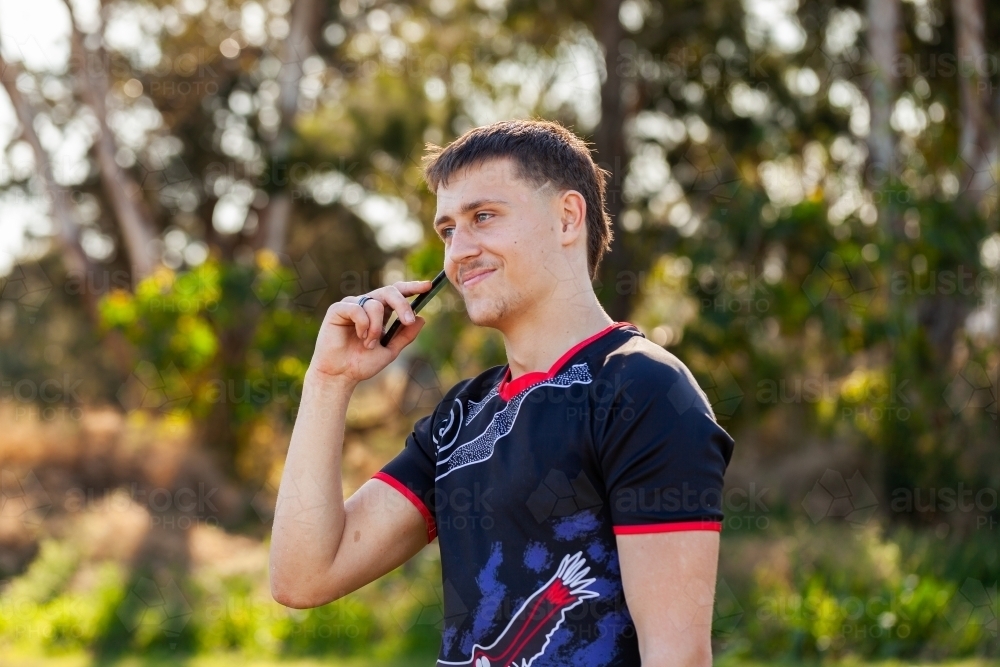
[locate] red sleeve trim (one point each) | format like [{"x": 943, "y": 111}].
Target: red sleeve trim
[
  {"x": 413, "y": 498},
  {"x": 673, "y": 527}
]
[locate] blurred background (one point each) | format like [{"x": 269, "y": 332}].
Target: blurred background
[{"x": 804, "y": 196}]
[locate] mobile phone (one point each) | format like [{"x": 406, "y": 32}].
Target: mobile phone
[{"x": 418, "y": 303}]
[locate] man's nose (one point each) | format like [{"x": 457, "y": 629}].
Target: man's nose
[{"x": 463, "y": 245}]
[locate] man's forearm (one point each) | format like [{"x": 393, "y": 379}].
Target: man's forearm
[{"x": 309, "y": 516}]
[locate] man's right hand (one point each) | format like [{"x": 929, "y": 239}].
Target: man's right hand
[
  {"x": 348, "y": 348},
  {"x": 322, "y": 548}
]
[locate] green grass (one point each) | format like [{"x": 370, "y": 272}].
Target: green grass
[
  {"x": 214, "y": 660},
  {"x": 237, "y": 660},
  {"x": 858, "y": 663}
]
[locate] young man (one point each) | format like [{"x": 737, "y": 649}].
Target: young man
[{"x": 575, "y": 492}]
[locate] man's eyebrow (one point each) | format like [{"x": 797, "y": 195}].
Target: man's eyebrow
[{"x": 469, "y": 206}]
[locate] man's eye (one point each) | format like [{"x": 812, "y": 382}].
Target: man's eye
[
  {"x": 445, "y": 233},
  {"x": 479, "y": 216}
]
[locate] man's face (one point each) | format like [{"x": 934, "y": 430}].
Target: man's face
[{"x": 500, "y": 234}]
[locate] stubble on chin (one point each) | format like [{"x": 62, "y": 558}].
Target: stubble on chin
[
  {"x": 488, "y": 313},
  {"x": 491, "y": 311}
]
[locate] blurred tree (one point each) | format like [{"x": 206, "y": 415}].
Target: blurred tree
[{"x": 786, "y": 180}]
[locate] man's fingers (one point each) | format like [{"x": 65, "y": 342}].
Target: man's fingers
[
  {"x": 375, "y": 311},
  {"x": 411, "y": 287},
  {"x": 394, "y": 298},
  {"x": 405, "y": 336},
  {"x": 345, "y": 312},
  {"x": 369, "y": 319}
]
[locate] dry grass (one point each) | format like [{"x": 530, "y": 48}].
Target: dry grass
[
  {"x": 92, "y": 480},
  {"x": 92, "y": 472}
]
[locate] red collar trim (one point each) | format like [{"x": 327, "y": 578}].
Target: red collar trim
[{"x": 508, "y": 388}]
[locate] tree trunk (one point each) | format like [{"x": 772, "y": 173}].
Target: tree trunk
[
  {"x": 75, "y": 260},
  {"x": 609, "y": 143},
  {"x": 978, "y": 139},
  {"x": 883, "y": 35},
  {"x": 306, "y": 17},
  {"x": 122, "y": 190},
  {"x": 218, "y": 433}
]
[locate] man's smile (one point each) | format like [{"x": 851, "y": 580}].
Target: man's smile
[{"x": 474, "y": 276}]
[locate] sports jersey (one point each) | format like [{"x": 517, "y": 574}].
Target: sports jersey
[{"x": 526, "y": 482}]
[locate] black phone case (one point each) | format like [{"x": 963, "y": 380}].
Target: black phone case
[{"x": 418, "y": 303}]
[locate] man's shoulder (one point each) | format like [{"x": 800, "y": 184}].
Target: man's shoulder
[
  {"x": 641, "y": 367},
  {"x": 639, "y": 356}
]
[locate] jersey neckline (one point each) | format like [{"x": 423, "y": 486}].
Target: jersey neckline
[{"x": 508, "y": 389}]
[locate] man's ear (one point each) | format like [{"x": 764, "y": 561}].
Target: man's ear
[{"x": 572, "y": 215}]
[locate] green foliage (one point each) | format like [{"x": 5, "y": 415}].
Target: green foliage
[
  {"x": 781, "y": 299},
  {"x": 855, "y": 592},
  {"x": 813, "y": 594},
  {"x": 48, "y": 574},
  {"x": 38, "y": 609},
  {"x": 764, "y": 292},
  {"x": 221, "y": 341},
  {"x": 187, "y": 614}
]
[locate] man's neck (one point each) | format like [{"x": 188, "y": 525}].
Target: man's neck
[{"x": 536, "y": 340}]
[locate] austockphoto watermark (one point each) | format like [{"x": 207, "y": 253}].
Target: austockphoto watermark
[
  {"x": 962, "y": 280},
  {"x": 194, "y": 63},
  {"x": 333, "y": 620},
  {"x": 103, "y": 281},
  {"x": 584, "y": 413},
  {"x": 465, "y": 508},
  {"x": 326, "y": 630},
  {"x": 732, "y": 290},
  {"x": 35, "y": 289},
  {"x": 281, "y": 174},
  {"x": 948, "y": 500},
  {"x": 167, "y": 392},
  {"x": 687, "y": 64},
  {"x": 875, "y": 412},
  {"x": 258, "y": 391},
  {"x": 43, "y": 400},
  {"x": 356, "y": 283},
  {"x": 423, "y": 67},
  {"x": 692, "y": 64},
  {"x": 878, "y": 616},
  {"x": 602, "y": 390},
  {"x": 170, "y": 508},
  {"x": 872, "y": 398},
  {"x": 182, "y": 87},
  {"x": 460, "y": 506},
  {"x": 743, "y": 508},
  {"x": 20, "y": 611},
  {"x": 99, "y": 282},
  {"x": 948, "y": 65},
  {"x": 66, "y": 633}
]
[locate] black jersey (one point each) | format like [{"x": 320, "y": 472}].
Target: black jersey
[{"x": 527, "y": 482}]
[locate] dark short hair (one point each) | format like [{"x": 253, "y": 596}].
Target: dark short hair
[{"x": 541, "y": 151}]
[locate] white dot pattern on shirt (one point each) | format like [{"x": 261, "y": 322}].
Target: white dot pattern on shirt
[
  {"x": 481, "y": 447},
  {"x": 475, "y": 408}
]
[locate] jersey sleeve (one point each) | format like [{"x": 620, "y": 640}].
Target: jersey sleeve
[
  {"x": 411, "y": 472},
  {"x": 662, "y": 453}
]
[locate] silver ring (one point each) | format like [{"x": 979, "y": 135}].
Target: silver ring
[{"x": 363, "y": 299}]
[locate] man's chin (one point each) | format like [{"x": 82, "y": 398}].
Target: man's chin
[
  {"x": 483, "y": 319},
  {"x": 485, "y": 313}
]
